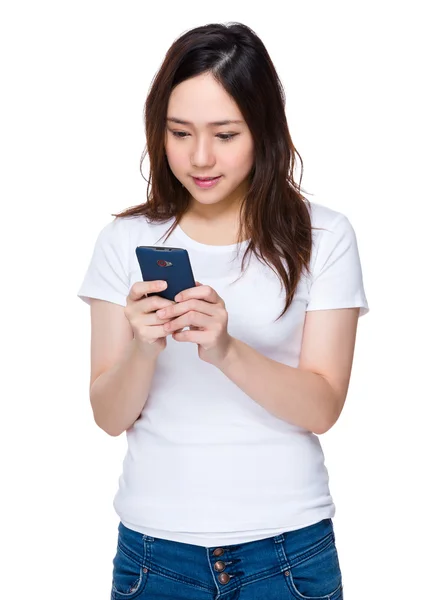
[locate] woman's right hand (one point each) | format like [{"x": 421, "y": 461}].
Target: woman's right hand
[{"x": 147, "y": 328}]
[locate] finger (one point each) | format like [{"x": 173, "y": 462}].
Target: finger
[
  {"x": 200, "y": 292},
  {"x": 152, "y": 319},
  {"x": 181, "y": 308},
  {"x": 152, "y": 303},
  {"x": 148, "y": 320},
  {"x": 195, "y": 336},
  {"x": 190, "y": 318},
  {"x": 144, "y": 311},
  {"x": 140, "y": 288}
]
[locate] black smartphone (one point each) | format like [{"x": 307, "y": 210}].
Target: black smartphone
[{"x": 166, "y": 264}]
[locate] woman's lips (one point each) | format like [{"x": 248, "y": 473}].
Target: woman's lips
[{"x": 206, "y": 183}]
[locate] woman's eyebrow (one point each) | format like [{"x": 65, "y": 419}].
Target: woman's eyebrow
[{"x": 214, "y": 123}]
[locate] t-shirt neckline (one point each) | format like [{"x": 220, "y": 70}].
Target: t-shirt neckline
[{"x": 191, "y": 243}]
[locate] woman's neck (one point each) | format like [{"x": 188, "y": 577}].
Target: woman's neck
[{"x": 216, "y": 230}]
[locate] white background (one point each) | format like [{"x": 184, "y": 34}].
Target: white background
[{"x": 360, "y": 103}]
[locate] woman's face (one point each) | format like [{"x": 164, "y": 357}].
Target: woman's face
[{"x": 207, "y": 137}]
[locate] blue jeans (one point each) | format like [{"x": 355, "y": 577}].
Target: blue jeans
[{"x": 297, "y": 565}]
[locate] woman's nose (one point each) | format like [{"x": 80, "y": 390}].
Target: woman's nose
[{"x": 202, "y": 155}]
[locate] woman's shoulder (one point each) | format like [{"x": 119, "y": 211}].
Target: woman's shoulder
[
  {"x": 330, "y": 229},
  {"x": 333, "y": 237},
  {"x": 324, "y": 217},
  {"x": 132, "y": 228}
]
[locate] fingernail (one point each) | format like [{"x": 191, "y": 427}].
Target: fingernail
[{"x": 162, "y": 285}]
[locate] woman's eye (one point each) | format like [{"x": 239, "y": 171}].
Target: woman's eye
[
  {"x": 180, "y": 134},
  {"x": 226, "y": 137}
]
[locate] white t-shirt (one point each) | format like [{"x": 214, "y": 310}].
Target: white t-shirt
[{"x": 206, "y": 464}]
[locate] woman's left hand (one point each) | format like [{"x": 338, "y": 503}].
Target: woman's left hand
[{"x": 204, "y": 311}]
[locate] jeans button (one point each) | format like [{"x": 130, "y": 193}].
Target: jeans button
[
  {"x": 219, "y": 566},
  {"x": 224, "y": 578}
]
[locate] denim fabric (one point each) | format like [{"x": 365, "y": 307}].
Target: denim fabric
[{"x": 296, "y": 565}]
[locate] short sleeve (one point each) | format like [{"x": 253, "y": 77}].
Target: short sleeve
[
  {"x": 337, "y": 274},
  {"x": 107, "y": 276}
]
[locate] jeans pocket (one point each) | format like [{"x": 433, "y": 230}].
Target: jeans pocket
[
  {"x": 129, "y": 575},
  {"x": 316, "y": 574}
]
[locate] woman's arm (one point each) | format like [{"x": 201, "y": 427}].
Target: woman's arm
[
  {"x": 121, "y": 373},
  {"x": 311, "y": 396}
]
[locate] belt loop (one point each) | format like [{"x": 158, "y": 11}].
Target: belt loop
[{"x": 280, "y": 551}]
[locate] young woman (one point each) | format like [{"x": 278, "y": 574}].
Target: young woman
[{"x": 223, "y": 392}]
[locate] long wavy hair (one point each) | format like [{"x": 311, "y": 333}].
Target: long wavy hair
[{"x": 274, "y": 213}]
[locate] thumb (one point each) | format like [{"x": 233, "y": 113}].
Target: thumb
[{"x": 197, "y": 283}]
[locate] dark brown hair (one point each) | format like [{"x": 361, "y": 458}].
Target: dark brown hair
[{"x": 274, "y": 214}]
